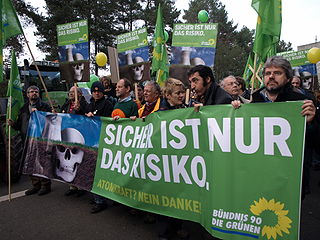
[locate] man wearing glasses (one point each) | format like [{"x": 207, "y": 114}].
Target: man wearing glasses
[
  {"x": 41, "y": 185},
  {"x": 277, "y": 73}
]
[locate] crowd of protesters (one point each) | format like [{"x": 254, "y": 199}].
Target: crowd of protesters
[{"x": 127, "y": 101}]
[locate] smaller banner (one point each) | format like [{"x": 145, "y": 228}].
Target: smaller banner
[
  {"x": 303, "y": 68},
  {"x": 192, "y": 44},
  {"x": 73, "y": 42},
  {"x": 133, "y": 52}
]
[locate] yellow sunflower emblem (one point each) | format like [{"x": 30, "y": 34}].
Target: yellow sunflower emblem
[
  {"x": 283, "y": 222},
  {"x": 211, "y": 41},
  {"x": 85, "y": 36}
]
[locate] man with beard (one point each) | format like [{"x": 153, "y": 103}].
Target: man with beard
[
  {"x": 40, "y": 185},
  {"x": 204, "y": 87},
  {"x": 277, "y": 73}
]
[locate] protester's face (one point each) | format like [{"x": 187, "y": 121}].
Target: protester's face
[
  {"x": 72, "y": 92},
  {"x": 274, "y": 78},
  {"x": 150, "y": 94},
  {"x": 295, "y": 82},
  {"x": 140, "y": 92},
  {"x": 198, "y": 84},
  {"x": 121, "y": 90},
  {"x": 231, "y": 86},
  {"x": 97, "y": 95},
  {"x": 33, "y": 94},
  {"x": 177, "y": 96}
]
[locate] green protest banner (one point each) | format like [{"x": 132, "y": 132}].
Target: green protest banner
[
  {"x": 132, "y": 40},
  {"x": 296, "y": 58},
  {"x": 236, "y": 172},
  {"x": 195, "y": 35},
  {"x": 72, "y": 33}
]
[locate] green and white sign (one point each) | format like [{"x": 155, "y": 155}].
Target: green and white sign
[
  {"x": 296, "y": 58},
  {"x": 72, "y": 33},
  {"x": 132, "y": 40},
  {"x": 195, "y": 35},
  {"x": 237, "y": 172}
]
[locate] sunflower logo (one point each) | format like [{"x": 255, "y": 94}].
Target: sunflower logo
[
  {"x": 282, "y": 222},
  {"x": 211, "y": 41}
]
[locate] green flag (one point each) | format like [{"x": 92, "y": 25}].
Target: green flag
[
  {"x": 159, "y": 54},
  {"x": 9, "y": 27},
  {"x": 268, "y": 28},
  {"x": 267, "y": 34},
  {"x": 14, "y": 90}
]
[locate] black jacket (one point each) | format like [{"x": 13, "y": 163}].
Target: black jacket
[
  {"x": 83, "y": 107},
  {"x": 286, "y": 94},
  {"x": 216, "y": 95},
  {"x": 24, "y": 115},
  {"x": 102, "y": 107}
]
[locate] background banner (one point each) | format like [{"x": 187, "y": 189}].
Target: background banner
[
  {"x": 236, "y": 172},
  {"x": 192, "y": 44},
  {"x": 73, "y": 42},
  {"x": 133, "y": 52}
]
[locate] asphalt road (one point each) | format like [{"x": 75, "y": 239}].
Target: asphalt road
[{"x": 55, "y": 216}]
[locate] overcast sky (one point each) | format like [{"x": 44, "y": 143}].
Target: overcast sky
[{"x": 300, "y": 20}]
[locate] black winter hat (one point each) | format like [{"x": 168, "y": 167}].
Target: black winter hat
[{"x": 97, "y": 86}]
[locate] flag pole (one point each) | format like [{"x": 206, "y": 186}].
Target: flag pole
[
  {"x": 9, "y": 151},
  {"x": 39, "y": 74},
  {"x": 254, "y": 74}
]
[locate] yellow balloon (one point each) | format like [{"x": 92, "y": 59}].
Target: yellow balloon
[
  {"x": 101, "y": 59},
  {"x": 313, "y": 55}
]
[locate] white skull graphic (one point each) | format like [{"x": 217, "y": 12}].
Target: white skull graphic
[
  {"x": 69, "y": 158},
  {"x": 138, "y": 70},
  {"x": 306, "y": 80},
  {"x": 78, "y": 68}
]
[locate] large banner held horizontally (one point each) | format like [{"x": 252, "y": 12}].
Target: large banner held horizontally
[
  {"x": 73, "y": 42},
  {"x": 133, "y": 52},
  {"x": 236, "y": 172}
]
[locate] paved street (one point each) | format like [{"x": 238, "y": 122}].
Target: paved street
[{"x": 55, "y": 216}]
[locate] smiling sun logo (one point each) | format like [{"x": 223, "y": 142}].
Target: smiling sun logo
[{"x": 274, "y": 210}]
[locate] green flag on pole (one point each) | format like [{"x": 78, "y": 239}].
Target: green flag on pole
[
  {"x": 14, "y": 90},
  {"x": 268, "y": 28},
  {"x": 267, "y": 34},
  {"x": 159, "y": 54},
  {"x": 10, "y": 26}
]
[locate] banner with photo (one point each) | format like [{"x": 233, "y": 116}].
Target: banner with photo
[
  {"x": 237, "y": 172},
  {"x": 192, "y": 44},
  {"x": 73, "y": 42},
  {"x": 303, "y": 68},
  {"x": 133, "y": 53}
]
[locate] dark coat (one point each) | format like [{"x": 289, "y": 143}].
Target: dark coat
[
  {"x": 286, "y": 94},
  {"x": 216, "y": 95},
  {"x": 24, "y": 115},
  {"x": 102, "y": 107},
  {"x": 83, "y": 107}
]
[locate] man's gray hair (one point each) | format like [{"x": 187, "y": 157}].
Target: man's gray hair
[
  {"x": 155, "y": 85},
  {"x": 33, "y": 87},
  {"x": 222, "y": 81},
  {"x": 278, "y": 61}
]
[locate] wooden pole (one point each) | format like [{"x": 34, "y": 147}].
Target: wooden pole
[
  {"x": 76, "y": 94},
  {"x": 254, "y": 74},
  {"x": 187, "y": 96},
  {"x": 39, "y": 74},
  {"x": 9, "y": 151}
]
